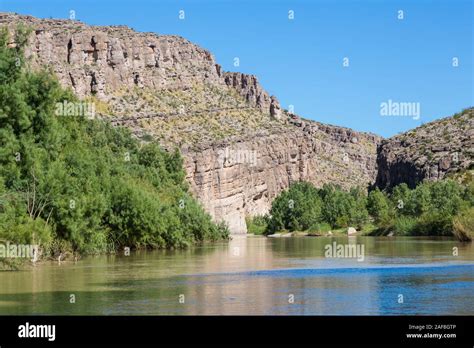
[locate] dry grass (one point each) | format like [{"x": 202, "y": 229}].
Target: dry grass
[{"x": 201, "y": 113}]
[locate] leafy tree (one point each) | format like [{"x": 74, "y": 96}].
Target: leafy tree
[
  {"x": 359, "y": 215},
  {"x": 402, "y": 199},
  {"x": 296, "y": 209},
  {"x": 337, "y": 206},
  {"x": 446, "y": 197},
  {"x": 420, "y": 200},
  {"x": 378, "y": 206}
]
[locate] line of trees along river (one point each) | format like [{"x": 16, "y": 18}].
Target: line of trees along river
[{"x": 441, "y": 208}]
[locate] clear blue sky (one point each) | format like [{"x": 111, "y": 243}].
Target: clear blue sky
[{"x": 301, "y": 60}]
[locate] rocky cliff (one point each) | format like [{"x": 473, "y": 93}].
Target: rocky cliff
[
  {"x": 429, "y": 152},
  {"x": 240, "y": 148},
  {"x": 238, "y": 178}
]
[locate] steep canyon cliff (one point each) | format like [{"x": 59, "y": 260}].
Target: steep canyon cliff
[{"x": 240, "y": 147}]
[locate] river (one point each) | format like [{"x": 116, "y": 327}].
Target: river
[{"x": 255, "y": 276}]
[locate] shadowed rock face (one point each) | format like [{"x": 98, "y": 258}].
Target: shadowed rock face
[
  {"x": 429, "y": 152},
  {"x": 240, "y": 148},
  {"x": 392, "y": 172}
]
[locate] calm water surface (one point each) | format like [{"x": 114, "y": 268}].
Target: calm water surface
[{"x": 254, "y": 275}]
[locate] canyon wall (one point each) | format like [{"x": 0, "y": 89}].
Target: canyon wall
[
  {"x": 240, "y": 148},
  {"x": 234, "y": 180}
]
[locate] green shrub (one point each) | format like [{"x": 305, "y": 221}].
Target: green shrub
[
  {"x": 434, "y": 225},
  {"x": 404, "y": 225},
  {"x": 320, "y": 228},
  {"x": 463, "y": 225},
  {"x": 256, "y": 224}
]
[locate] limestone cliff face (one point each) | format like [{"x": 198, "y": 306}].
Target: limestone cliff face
[
  {"x": 234, "y": 180},
  {"x": 102, "y": 60},
  {"x": 429, "y": 152},
  {"x": 240, "y": 148}
]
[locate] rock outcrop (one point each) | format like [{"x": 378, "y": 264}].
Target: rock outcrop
[
  {"x": 429, "y": 152},
  {"x": 240, "y": 148},
  {"x": 253, "y": 93}
]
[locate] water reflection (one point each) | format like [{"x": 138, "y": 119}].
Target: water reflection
[{"x": 254, "y": 275}]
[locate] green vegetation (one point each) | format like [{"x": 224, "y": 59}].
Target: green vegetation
[
  {"x": 441, "y": 208},
  {"x": 71, "y": 184},
  {"x": 463, "y": 225},
  {"x": 429, "y": 209},
  {"x": 305, "y": 208},
  {"x": 256, "y": 225},
  {"x": 320, "y": 228},
  {"x": 296, "y": 209}
]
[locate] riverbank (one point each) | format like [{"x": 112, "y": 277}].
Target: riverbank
[{"x": 341, "y": 232}]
